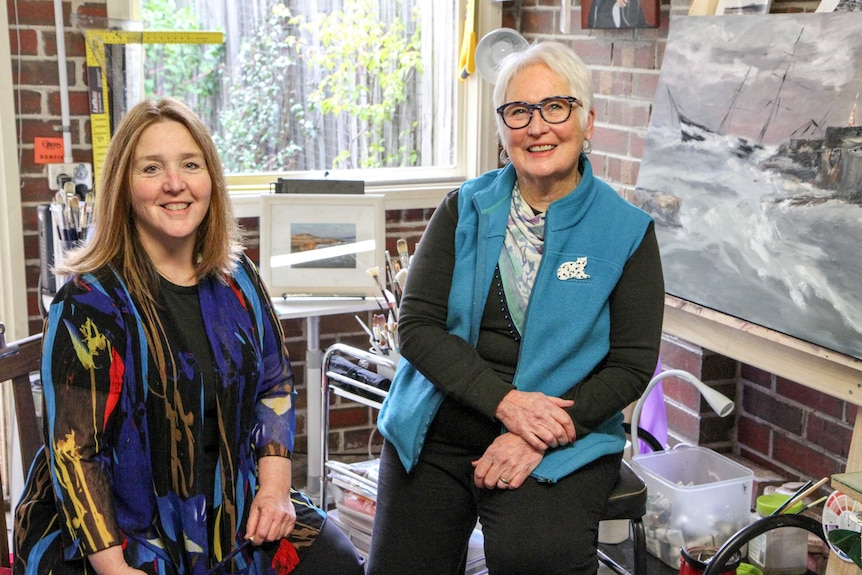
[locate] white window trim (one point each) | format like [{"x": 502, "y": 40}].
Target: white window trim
[
  {"x": 410, "y": 188},
  {"x": 13, "y": 286}
]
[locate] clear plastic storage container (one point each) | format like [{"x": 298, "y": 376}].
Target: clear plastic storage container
[{"x": 695, "y": 497}]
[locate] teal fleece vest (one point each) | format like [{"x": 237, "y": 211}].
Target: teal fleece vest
[{"x": 589, "y": 236}]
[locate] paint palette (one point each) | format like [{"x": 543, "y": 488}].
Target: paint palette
[{"x": 841, "y": 512}]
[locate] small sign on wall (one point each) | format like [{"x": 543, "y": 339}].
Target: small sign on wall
[{"x": 48, "y": 150}]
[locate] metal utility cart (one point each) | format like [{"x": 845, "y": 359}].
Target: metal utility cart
[{"x": 349, "y": 388}]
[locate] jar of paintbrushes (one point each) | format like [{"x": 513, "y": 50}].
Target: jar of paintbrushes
[{"x": 383, "y": 332}]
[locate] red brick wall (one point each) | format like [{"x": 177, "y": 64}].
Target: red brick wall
[
  {"x": 792, "y": 427},
  {"x": 781, "y": 425},
  {"x": 37, "y": 101}
]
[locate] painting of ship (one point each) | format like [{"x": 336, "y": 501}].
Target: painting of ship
[
  {"x": 832, "y": 163},
  {"x": 752, "y": 171},
  {"x": 692, "y": 131}
]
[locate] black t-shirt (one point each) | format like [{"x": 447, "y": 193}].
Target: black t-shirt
[{"x": 181, "y": 314}]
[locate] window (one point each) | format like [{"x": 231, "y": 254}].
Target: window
[{"x": 318, "y": 85}]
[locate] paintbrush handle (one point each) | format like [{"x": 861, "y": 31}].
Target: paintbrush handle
[
  {"x": 814, "y": 504},
  {"x": 786, "y": 505},
  {"x": 796, "y": 498}
]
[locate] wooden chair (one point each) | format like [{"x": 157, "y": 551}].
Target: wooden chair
[{"x": 17, "y": 361}]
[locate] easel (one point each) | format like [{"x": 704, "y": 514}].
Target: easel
[{"x": 804, "y": 363}]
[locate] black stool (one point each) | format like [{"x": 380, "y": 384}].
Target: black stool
[{"x": 627, "y": 501}]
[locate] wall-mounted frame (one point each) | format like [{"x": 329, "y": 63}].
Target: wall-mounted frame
[
  {"x": 321, "y": 244},
  {"x": 731, "y": 7},
  {"x": 620, "y": 14}
]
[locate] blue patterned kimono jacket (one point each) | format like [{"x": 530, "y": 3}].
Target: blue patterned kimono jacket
[{"x": 123, "y": 443}]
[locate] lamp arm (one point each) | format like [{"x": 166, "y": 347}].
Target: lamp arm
[
  {"x": 701, "y": 387},
  {"x": 636, "y": 413}
]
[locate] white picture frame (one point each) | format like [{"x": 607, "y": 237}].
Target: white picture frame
[
  {"x": 322, "y": 244},
  {"x": 732, "y": 7}
]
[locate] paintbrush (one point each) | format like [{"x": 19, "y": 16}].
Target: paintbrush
[
  {"x": 801, "y": 494},
  {"x": 378, "y": 326},
  {"x": 814, "y": 503},
  {"x": 390, "y": 276},
  {"x": 786, "y": 505},
  {"x": 223, "y": 563},
  {"x": 390, "y": 271},
  {"x": 401, "y": 279},
  {"x": 366, "y": 329},
  {"x": 374, "y": 272},
  {"x": 403, "y": 253}
]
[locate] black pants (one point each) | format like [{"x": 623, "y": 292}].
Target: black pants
[{"x": 424, "y": 519}]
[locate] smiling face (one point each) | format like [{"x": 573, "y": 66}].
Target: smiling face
[
  {"x": 545, "y": 155},
  {"x": 171, "y": 189}
]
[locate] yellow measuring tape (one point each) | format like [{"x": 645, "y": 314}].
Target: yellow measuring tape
[{"x": 97, "y": 76}]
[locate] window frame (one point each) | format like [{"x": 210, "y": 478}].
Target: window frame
[
  {"x": 13, "y": 279},
  {"x": 406, "y": 188}
]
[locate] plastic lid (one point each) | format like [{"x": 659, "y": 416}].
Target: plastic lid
[
  {"x": 748, "y": 569},
  {"x": 767, "y": 504}
]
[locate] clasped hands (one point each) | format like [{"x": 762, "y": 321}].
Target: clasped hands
[{"x": 535, "y": 422}]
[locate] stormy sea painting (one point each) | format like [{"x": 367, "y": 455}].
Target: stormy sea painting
[{"x": 753, "y": 171}]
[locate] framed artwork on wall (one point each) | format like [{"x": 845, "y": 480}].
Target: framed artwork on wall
[
  {"x": 752, "y": 170},
  {"x": 321, "y": 244},
  {"x": 728, "y": 7},
  {"x": 619, "y": 14}
]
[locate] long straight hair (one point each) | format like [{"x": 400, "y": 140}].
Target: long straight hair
[{"x": 115, "y": 239}]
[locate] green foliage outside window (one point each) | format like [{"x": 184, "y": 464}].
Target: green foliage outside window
[
  {"x": 255, "y": 132},
  {"x": 189, "y": 71},
  {"x": 367, "y": 64},
  {"x": 326, "y": 90}
]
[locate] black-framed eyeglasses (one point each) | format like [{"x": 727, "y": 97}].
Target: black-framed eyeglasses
[{"x": 554, "y": 110}]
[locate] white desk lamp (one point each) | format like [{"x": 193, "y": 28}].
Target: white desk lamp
[{"x": 719, "y": 402}]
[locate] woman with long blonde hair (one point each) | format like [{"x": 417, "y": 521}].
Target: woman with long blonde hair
[{"x": 169, "y": 397}]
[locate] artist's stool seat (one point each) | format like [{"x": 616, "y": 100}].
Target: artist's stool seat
[{"x": 627, "y": 501}]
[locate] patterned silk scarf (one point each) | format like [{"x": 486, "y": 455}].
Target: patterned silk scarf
[{"x": 521, "y": 255}]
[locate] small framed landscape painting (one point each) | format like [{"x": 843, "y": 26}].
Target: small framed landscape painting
[{"x": 321, "y": 244}]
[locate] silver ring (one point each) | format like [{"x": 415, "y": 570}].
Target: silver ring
[{"x": 504, "y": 481}]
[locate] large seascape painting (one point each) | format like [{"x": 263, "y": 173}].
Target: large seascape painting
[{"x": 753, "y": 171}]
